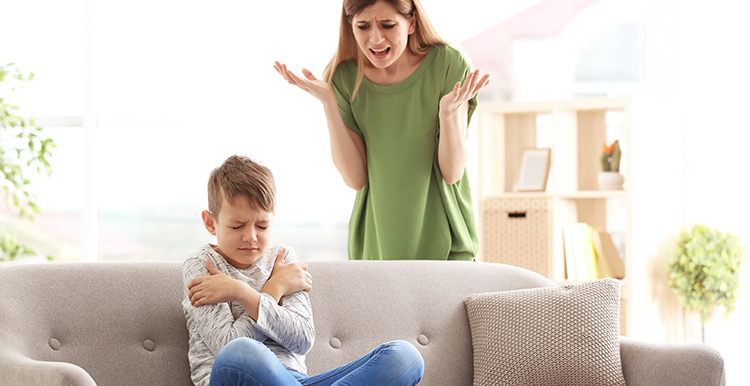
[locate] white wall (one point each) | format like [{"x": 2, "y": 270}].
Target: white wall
[{"x": 702, "y": 61}]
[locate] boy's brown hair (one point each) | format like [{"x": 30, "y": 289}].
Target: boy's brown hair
[{"x": 240, "y": 176}]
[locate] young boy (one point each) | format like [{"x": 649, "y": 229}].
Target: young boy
[
  {"x": 246, "y": 302},
  {"x": 235, "y": 289}
]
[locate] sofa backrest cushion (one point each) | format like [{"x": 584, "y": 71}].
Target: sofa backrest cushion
[
  {"x": 123, "y": 322},
  {"x": 359, "y": 304}
]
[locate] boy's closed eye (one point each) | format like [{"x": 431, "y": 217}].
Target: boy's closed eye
[{"x": 260, "y": 226}]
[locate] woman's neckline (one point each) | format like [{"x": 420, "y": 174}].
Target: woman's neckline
[{"x": 408, "y": 80}]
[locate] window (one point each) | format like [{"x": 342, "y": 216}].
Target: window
[
  {"x": 175, "y": 88},
  {"x": 58, "y": 230},
  {"x": 145, "y": 98}
]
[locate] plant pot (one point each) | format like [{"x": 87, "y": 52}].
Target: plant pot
[{"x": 610, "y": 180}]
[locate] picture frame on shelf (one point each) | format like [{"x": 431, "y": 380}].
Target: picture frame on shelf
[{"x": 534, "y": 170}]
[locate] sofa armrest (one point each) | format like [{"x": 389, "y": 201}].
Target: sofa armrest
[
  {"x": 17, "y": 369},
  {"x": 667, "y": 364}
]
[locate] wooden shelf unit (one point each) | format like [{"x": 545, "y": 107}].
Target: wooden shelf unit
[{"x": 575, "y": 131}]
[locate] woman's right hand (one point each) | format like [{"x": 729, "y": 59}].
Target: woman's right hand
[
  {"x": 316, "y": 87},
  {"x": 347, "y": 147}
]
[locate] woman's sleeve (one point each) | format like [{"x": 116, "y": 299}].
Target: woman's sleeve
[
  {"x": 457, "y": 69},
  {"x": 342, "y": 90},
  {"x": 289, "y": 323},
  {"x": 214, "y": 322}
]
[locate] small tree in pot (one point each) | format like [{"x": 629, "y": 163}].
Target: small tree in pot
[{"x": 704, "y": 270}]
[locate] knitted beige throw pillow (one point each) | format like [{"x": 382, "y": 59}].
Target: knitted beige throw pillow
[{"x": 567, "y": 335}]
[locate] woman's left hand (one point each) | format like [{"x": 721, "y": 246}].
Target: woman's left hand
[
  {"x": 453, "y": 152},
  {"x": 462, "y": 93}
]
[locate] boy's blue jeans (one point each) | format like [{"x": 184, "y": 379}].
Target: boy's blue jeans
[{"x": 246, "y": 362}]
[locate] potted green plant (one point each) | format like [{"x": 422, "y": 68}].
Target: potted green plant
[
  {"x": 610, "y": 178},
  {"x": 704, "y": 270},
  {"x": 22, "y": 148}
]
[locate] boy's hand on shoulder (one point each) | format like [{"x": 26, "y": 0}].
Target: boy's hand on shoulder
[
  {"x": 213, "y": 289},
  {"x": 287, "y": 278}
]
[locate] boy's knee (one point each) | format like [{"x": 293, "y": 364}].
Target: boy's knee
[
  {"x": 407, "y": 357},
  {"x": 411, "y": 353},
  {"x": 241, "y": 344},
  {"x": 241, "y": 352},
  {"x": 244, "y": 361}
]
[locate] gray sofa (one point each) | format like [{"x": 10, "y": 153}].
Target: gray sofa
[{"x": 122, "y": 324}]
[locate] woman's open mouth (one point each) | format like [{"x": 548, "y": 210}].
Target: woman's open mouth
[{"x": 379, "y": 54}]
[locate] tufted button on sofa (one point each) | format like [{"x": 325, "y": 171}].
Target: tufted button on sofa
[{"x": 114, "y": 324}]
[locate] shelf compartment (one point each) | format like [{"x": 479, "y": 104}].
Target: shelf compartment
[{"x": 518, "y": 232}]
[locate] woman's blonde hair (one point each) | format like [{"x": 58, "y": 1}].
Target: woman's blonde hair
[{"x": 423, "y": 38}]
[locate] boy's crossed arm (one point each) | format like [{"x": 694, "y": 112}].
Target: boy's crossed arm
[
  {"x": 219, "y": 287},
  {"x": 286, "y": 278}
]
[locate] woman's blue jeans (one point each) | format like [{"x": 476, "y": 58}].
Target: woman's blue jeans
[{"x": 246, "y": 362}]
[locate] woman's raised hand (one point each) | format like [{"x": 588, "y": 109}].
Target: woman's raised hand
[
  {"x": 461, "y": 93},
  {"x": 316, "y": 87}
]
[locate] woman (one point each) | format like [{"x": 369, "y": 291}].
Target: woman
[{"x": 398, "y": 101}]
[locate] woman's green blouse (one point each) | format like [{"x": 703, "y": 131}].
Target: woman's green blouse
[{"x": 406, "y": 210}]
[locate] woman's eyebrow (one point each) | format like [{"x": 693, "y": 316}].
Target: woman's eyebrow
[{"x": 377, "y": 20}]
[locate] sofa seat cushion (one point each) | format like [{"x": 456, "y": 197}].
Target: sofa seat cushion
[{"x": 566, "y": 335}]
